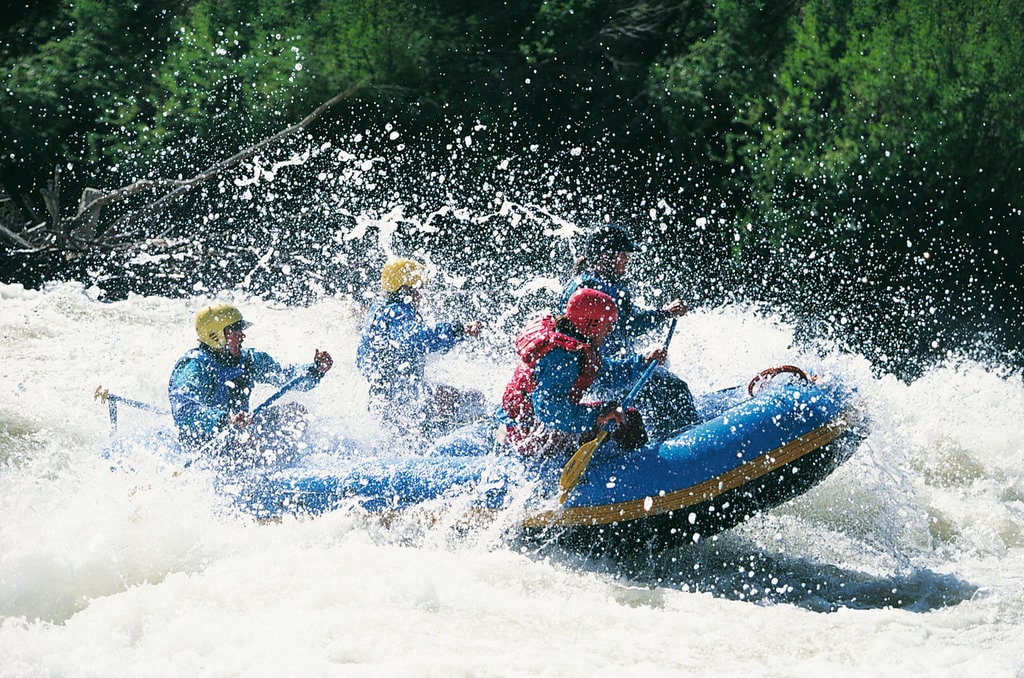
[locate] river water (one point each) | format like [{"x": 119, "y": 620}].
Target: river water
[{"x": 909, "y": 560}]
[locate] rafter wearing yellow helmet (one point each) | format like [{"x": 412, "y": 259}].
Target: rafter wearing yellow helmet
[
  {"x": 210, "y": 385},
  {"x": 392, "y": 355}
]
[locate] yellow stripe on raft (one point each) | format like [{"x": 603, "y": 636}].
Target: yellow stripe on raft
[{"x": 709, "y": 489}]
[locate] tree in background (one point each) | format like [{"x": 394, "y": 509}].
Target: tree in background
[
  {"x": 907, "y": 113},
  {"x": 113, "y": 91},
  {"x": 714, "y": 83},
  {"x": 873, "y": 149},
  {"x": 74, "y": 77},
  {"x": 895, "y": 156}
]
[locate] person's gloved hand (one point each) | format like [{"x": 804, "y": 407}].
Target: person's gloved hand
[
  {"x": 676, "y": 308},
  {"x": 240, "y": 419},
  {"x": 631, "y": 434},
  {"x": 658, "y": 354},
  {"x": 323, "y": 361},
  {"x": 609, "y": 413}
]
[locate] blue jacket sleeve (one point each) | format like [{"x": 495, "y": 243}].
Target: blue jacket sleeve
[
  {"x": 555, "y": 374},
  {"x": 190, "y": 391},
  {"x": 618, "y": 375},
  {"x": 439, "y": 338},
  {"x": 266, "y": 370},
  {"x": 643, "y": 320}
]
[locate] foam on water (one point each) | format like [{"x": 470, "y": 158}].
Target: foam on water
[{"x": 910, "y": 558}]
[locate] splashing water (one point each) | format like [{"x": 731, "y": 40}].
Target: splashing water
[{"x": 915, "y": 546}]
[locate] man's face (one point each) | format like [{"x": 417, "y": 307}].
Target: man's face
[
  {"x": 619, "y": 263},
  {"x": 233, "y": 338},
  {"x": 412, "y": 295}
]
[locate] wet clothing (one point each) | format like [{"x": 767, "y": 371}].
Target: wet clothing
[
  {"x": 537, "y": 340},
  {"x": 392, "y": 356},
  {"x": 543, "y": 406},
  {"x": 633, "y": 321},
  {"x": 667, "y": 404},
  {"x": 207, "y": 387},
  {"x": 665, "y": 400}
]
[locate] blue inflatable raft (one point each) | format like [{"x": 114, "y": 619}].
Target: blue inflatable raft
[{"x": 750, "y": 454}]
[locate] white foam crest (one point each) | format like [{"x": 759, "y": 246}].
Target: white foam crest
[
  {"x": 147, "y": 573},
  {"x": 958, "y": 432},
  {"x": 85, "y": 532}
]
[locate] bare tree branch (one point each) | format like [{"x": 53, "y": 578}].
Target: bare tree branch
[
  {"x": 212, "y": 171},
  {"x": 80, "y": 229},
  {"x": 15, "y": 239}
]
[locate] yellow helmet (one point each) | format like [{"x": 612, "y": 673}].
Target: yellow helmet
[
  {"x": 399, "y": 273},
  {"x": 211, "y": 321}
]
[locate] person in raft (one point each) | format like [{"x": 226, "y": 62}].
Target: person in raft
[
  {"x": 210, "y": 385},
  {"x": 560, "y": 358},
  {"x": 392, "y": 356},
  {"x": 666, "y": 399}
]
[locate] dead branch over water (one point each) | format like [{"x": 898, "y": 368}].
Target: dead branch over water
[{"x": 84, "y": 230}]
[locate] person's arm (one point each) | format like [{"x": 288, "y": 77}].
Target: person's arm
[
  {"x": 618, "y": 375},
  {"x": 266, "y": 370},
  {"x": 189, "y": 391},
  {"x": 410, "y": 331},
  {"x": 643, "y": 320},
  {"x": 555, "y": 374}
]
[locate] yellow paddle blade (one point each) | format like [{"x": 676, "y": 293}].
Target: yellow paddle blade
[{"x": 577, "y": 464}]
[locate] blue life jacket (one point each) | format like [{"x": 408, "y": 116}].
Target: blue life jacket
[
  {"x": 207, "y": 387},
  {"x": 394, "y": 345}
]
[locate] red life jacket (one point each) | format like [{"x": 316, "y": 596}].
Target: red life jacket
[{"x": 538, "y": 339}]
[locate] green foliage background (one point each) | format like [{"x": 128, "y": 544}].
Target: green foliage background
[{"x": 884, "y": 137}]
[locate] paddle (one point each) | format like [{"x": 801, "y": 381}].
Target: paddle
[
  {"x": 112, "y": 400},
  {"x": 220, "y": 437},
  {"x": 280, "y": 392},
  {"x": 578, "y": 462}
]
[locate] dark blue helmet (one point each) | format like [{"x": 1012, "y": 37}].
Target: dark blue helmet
[{"x": 609, "y": 239}]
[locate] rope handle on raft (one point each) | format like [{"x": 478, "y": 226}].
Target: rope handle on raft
[{"x": 764, "y": 376}]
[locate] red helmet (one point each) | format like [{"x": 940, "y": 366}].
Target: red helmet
[{"x": 592, "y": 312}]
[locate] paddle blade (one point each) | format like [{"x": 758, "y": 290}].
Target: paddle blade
[{"x": 577, "y": 464}]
